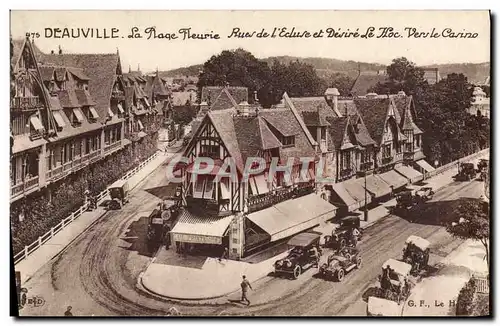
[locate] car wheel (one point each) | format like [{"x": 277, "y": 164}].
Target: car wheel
[
  {"x": 340, "y": 275},
  {"x": 358, "y": 263},
  {"x": 296, "y": 272}
]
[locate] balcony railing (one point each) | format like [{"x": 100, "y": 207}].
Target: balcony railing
[
  {"x": 25, "y": 103},
  {"x": 256, "y": 203},
  {"x": 112, "y": 147},
  {"x": 366, "y": 166},
  {"x": 25, "y": 186}
]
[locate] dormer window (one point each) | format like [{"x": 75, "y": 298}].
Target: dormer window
[
  {"x": 59, "y": 120},
  {"x": 93, "y": 116},
  {"x": 120, "y": 109},
  {"x": 77, "y": 117},
  {"x": 37, "y": 128},
  {"x": 288, "y": 141}
]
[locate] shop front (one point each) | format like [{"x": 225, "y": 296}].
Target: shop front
[{"x": 409, "y": 173}]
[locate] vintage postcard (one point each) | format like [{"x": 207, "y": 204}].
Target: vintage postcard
[{"x": 250, "y": 163}]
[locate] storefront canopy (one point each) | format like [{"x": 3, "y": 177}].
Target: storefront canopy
[
  {"x": 347, "y": 200},
  {"x": 411, "y": 174},
  {"x": 377, "y": 186},
  {"x": 355, "y": 188},
  {"x": 293, "y": 216},
  {"x": 394, "y": 179},
  {"x": 200, "y": 229},
  {"x": 426, "y": 166}
]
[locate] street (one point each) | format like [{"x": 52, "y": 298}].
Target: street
[{"x": 97, "y": 274}]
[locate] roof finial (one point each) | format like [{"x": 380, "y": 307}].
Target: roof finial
[
  {"x": 138, "y": 67},
  {"x": 129, "y": 69},
  {"x": 156, "y": 71},
  {"x": 60, "y": 50},
  {"x": 117, "y": 51}
]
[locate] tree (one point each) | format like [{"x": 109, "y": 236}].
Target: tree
[
  {"x": 473, "y": 223},
  {"x": 403, "y": 75},
  {"x": 342, "y": 82},
  {"x": 237, "y": 68}
]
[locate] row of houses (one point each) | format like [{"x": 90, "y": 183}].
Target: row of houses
[
  {"x": 368, "y": 146},
  {"x": 69, "y": 111}
]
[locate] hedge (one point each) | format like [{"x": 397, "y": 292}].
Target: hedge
[
  {"x": 470, "y": 303},
  {"x": 41, "y": 214}
]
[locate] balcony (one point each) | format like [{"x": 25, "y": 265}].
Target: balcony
[
  {"x": 366, "y": 166},
  {"x": 256, "y": 203},
  {"x": 24, "y": 187},
  {"x": 117, "y": 95},
  {"x": 110, "y": 148},
  {"x": 387, "y": 160},
  {"x": 25, "y": 103}
]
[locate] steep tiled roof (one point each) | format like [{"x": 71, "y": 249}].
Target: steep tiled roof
[
  {"x": 60, "y": 73},
  {"x": 285, "y": 123},
  {"x": 100, "y": 68},
  {"x": 365, "y": 81},
  {"x": 362, "y": 135},
  {"x": 84, "y": 97},
  {"x": 374, "y": 113},
  {"x": 314, "y": 110},
  {"x": 47, "y": 73},
  {"x": 17, "y": 47},
  {"x": 129, "y": 95},
  {"x": 347, "y": 106},
  {"x": 181, "y": 98},
  {"x": 78, "y": 72},
  {"x": 337, "y": 130},
  {"x": 68, "y": 99},
  {"x": 158, "y": 88},
  {"x": 239, "y": 94},
  {"x": 224, "y": 124}
]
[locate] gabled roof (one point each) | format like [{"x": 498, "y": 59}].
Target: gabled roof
[
  {"x": 100, "y": 68},
  {"x": 314, "y": 110},
  {"x": 347, "y": 106},
  {"x": 365, "y": 81},
  {"x": 157, "y": 87},
  {"x": 404, "y": 118},
  {"x": 362, "y": 134},
  {"x": 374, "y": 114},
  {"x": 223, "y": 97},
  {"x": 17, "y": 47},
  {"x": 337, "y": 130}
]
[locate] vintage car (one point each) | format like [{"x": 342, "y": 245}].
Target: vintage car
[
  {"x": 482, "y": 165},
  {"x": 395, "y": 282},
  {"x": 424, "y": 194},
  {"x": 405, "y": 200},
  {"x": 343, "y": 235},
  {"x": 301, "y": 256},
  {"x": 378, "y": 307},
  {"x": 118, "y": 192},
  {"x": 466, "y": 172},
  {"x": 338, "y": 264},
  {"x": 416, "y": 253}
]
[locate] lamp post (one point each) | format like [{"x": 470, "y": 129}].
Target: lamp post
[{"x": 366, "y": 208}]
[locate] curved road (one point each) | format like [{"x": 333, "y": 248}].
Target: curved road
[{"x": 98, "y": 272}]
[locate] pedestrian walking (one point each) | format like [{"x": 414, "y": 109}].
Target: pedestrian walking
[
  {"x": 245, "y": 285},
  {"x": 68, "y": 313},
  {"x": 225, "y": 254}
]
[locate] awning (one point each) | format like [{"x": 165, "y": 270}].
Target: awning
[
  {"x": 78, "y": 114},
  {"x": 355, "y": 188},
  {"x": 426, "y": 166},
  {"x": 200, "y": 229},
  {"x": 93, "y": 113},
  {"x": 59, "y": 119},
  {"x": 411, "y": 174},
  {"x": 35, "y": 122},
  {"x": 293, "y": 216},
  {"x": 394, "y": 179},
  {"x": 141, "y": 126},
  {"x": 347, "y": 199},
  {"x": 120, "y": 108},
  {"x": 377, "y": 186},
  {"x": 259, "y": 184}
]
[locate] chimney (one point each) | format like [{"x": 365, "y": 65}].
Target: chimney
[
  {"x": 129, "y": 69},
  {"x": 138, "y": 67},
  {"x": 52, "y": 52},
  {"x": 331, "y": 97},
  {"x": 60, "y": 50},
  {"x": 256, "y": 100},
  {"x": 245, "y": 110}
]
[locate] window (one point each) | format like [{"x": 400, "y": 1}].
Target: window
[
  {"x": 203, "y": 187},
  {"x": 107, "y": 137},
  {"x": 417, "y": 138},
  {"x": 386, "y": 151},
  {"x": 224, "y": 188},
  {"x": 93, "y": 114},
  {"x": 59, "y": 119},
  {"x": 77, "y": 116},
  {"x": 288, "y": 141},
  {"x": 365, "y": 156},
  {"x": 212, "y": 151},
  {"x": 346, "y": 160}
]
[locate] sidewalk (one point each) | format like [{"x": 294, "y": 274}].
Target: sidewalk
[
  {"x": 437, "y": 295},
  {"x": 214, "y": 280},
  {"x": 29, "y": 266}
]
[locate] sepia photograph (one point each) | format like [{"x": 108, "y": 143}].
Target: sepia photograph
[{"x": 250, "y": 163}]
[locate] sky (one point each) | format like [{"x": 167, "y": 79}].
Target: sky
[{"x": 167, "y": 54}]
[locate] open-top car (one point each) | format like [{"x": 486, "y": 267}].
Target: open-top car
[
  {"x": 378, "y": 307},
  {"x": 394, "y": 282},
  {"x": 405, "y": 199},
  {"x": 482, "y": 165},
  {"x": 416, "y": 253},
  {"x": 340, "y": 263},
  {"x": 304, "y": 254},
  {"x": 118, "y": 192},
  {"x": 345, "y": 234},
  {"x": 424, "y": 193}
]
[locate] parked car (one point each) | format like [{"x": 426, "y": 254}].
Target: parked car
[
  {"x": 340, "y": 263},
  {"x": 416, "y": 253},
  {"x": 343, "y": 235},
  {"x": 424, "y": 194},
  {"x": 466, "y": 172},
  {"x": 482, "y": 165},
  {"x": 301, "y": 256}
]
